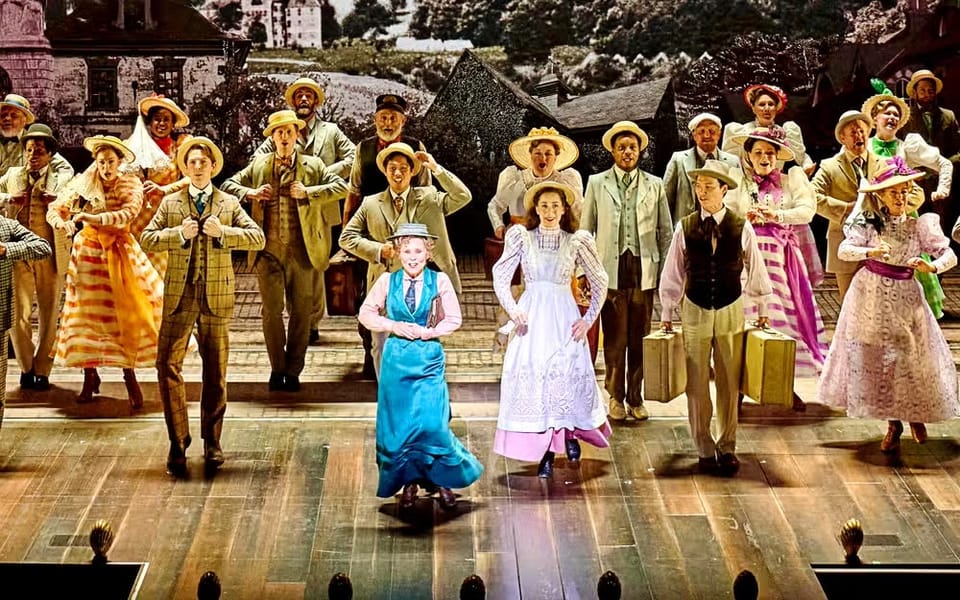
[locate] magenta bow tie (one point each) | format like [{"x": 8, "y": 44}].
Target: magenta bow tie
[{"x": 771, "y": 179}]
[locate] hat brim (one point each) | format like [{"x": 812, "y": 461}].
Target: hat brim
[
  {"x": 567, "y": 191},
  {"x": 912, "y": 84},
  {"x": 870, "y": 103},
  {"x": 843, "y": 122},
  {"x": 30, "y": 116},
  {"x": 92, "y": 143},
  {"x": 180, "y": 118},
  {"x": 784, "y": 152},
  {"x": 390, "y": 151},
  {"x": 520, "y": 150},
  {"x": 722, "y": 177},
  {"x": 296, "y": 85},
  {"x": 199, "y": 141},
  {"x": 892, "y": 181},
  {"x": 615, "y": 131},
  {"x": 298, "y": 122},
  {"x": 405, "y": 234}
]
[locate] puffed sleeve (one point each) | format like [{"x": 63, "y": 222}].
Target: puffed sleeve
[
  {"x": 729, "y": 131},
  {"x": 801, "y": 204},
  {"x": 504, "y": 269},
  {"x": 935, "y": 243},
  {"x": 919, "y": 152},
  {"x": 860, "y": 239},
  {"x": 588, "y": 259},
  {"x": 795, "y": 140}
]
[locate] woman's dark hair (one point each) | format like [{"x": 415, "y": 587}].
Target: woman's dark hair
[
  {"x": 760, "y": 93},
  {"x": 535, "y": 143},
  {"x": 567, "y": 222},
  {"x": 152, "y": 112}
]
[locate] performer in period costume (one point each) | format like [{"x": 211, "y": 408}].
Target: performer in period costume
[
  {"x": 625, "y": 208},
  {"x": 705, "y": 130},
  {"x": 199, "y": 226},
  {"x": 416, "y": 306},
  {"x": 549, "y": 397},
  {"x": 112, "y": 306},
  {"x": 889, "y": 359},
  {"x": 286, "y": 192},
  {"x": 15, "y": 115},
  {"x": 709, "y": 251},
  {"x": 367, "y": 234},
  {"x": 26, "y": 192},
  {"x": 155, "y": 143},
  {"x": 774, "y": 202},
  {"x": 888, "y": 115}
]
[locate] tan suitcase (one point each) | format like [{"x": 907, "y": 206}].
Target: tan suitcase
[
  {"x": 768, "y": 366},
  {"x": 664, "y": 366}
]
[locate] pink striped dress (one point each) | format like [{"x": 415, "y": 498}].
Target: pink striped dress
[{"x": 114, "y": 296}]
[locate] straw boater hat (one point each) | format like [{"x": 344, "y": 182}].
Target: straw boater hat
[
  {"x": 97, "y": 141},
  {"x": 870, "y": 105},
  {"x": 412, "y": 230},
  {"x": 896, "y": 172},
  {"x": 20, "y": 103},
  {"x": 565, "y": 190},
  {"x": 199, "y": 141},
  {"x": 398, "y": 148},
  {"x": 750, "y": 95},
  {"x": 774, "y": 135},
  {"x": 697, "y": 120},
  {"x": 567, "y": 152},
  {"x": 625, "y": 127},
  {"x": 304, "y": 82},
  {"x": 39, "y": 131},
  {"x": 920, "y": 76},
  {"x": 847, "y": 118},
  {"x": 180, "y": 118},
  {"x": 281, "y": 118},
  {"x": 715, "y": 168}
]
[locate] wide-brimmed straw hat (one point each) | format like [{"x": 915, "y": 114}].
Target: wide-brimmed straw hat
[
  {"x": 772, "y": 135},
  {"x": 625, "y": 127},
  {"x": 21, "y": 103},
  {"x": 871, "y": 104},
  {"x": 98, "y": 141},
  {"x": 304, "y": 82},
  {"x": 567, "y": 151},
  {"x": 398, "y": 148},
  {"x": 563, "y": 189},
  {"x": 750, "y": 94},
  {"x": 695, "y": 122},
  {"x": 849, "y": 117},
  {"x": 281, "y": 118},
  {"x": 717, "y": 169},
  {"x": 412, "y": 230},
  {"x": 39, "y": 131},
  {"x": 895, "y": 172},
  {"x": 180, "y": 118},
  {"x": 920, "y": 76},
  {"x": 193, "y": 143}
]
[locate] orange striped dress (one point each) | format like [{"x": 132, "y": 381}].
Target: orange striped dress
[{"x": 114, "y": 296}]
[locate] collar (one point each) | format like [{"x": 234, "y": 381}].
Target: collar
[
  {"x": 851, "y": 156},
  {"x": 311, "y": 125},
  {"x": 418, "y": 277},
  {"x": 404, "y": 194},
  {"x": 703, "y": 155},
  {"x": 41, "y": 173},
  {"x": 293, "y": 158},
  {"x": 553, "y": 175},
  {"x": 717, "y": 216},
  {"x": 207, "y": 191},
  {"x": 620, "y": 173},
  {"x": 898, "y": 220}
]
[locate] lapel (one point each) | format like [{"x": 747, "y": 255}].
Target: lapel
[
  {"x": 184, "y": 204},
  {"x": 414, "y": 203},
  {"x": 390, "y": 217},
  {"x": 611, "y": 186},
  {"x": 690, "y": 161},
  {"x": 846, "y": 166}
]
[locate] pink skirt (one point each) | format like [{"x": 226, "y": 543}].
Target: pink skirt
[{"x": 532, "y": 446}]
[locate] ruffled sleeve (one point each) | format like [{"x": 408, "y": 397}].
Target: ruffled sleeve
[
  {"x": 801, "y": 201},
  {"x": 860, "y": 239},
  {"x": 795, "y": 140},
  {"x": 504, "y": 269},
  {"x": 934, "y": 242},
  {"x": 920, "y": 153},
  {"x": 588, "y": 259},
  {"x": 729, "y": 131}
]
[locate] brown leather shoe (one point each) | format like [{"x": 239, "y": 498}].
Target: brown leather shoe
[
  {"x": 448, "y": 500},
  {"x": 891, "y": 441},
  {"x": 728, "y": 464},
  {"x": 919, "y": 431},
  {"x": 177, "y": 457},
  {"x": 212, "y": 454},
  {"x": 409, "y": 496}
]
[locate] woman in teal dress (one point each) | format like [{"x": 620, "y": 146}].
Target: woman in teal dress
[{"x": 414, "y": 307}]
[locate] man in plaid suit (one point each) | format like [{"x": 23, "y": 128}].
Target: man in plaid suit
[
  {"x": 16, "y": 243},
  {"x": 199, "y": 226}
]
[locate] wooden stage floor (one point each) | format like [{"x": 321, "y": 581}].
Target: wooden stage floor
[{"x": 295, "y": 503}]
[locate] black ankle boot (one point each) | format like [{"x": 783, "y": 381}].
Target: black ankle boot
[
  {"x": 573, "y": 450},
  {"x": 545, "y": 470}
]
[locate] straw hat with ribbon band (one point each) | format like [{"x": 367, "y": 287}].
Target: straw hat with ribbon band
[
  {"x": 752, "y": 92},
  {"x": 697, "y": 120},
  {"x": 920, "y": 76},
  {"x": 717, "y": 169},
  {"x": 39, "y": 131},
  {"x": 21, "y": 103},
  {"x": 281, "y": 118},
  {"x": 97, "y": 142},
  {"x": 206, "y": 142},
  {"x": 303, "y": 82},
  {"x": 180, "y": 118},
  {"x": 874, "y": 104},
  {"x": 849, "y": 117},
  {"x": 398, "y": 148},
  {"x": 772, "y": 135},
  {"x": 563, "y": 189},
  {"x": 567, "y": 151},
  {"x": 412, "y": 230},
  {"x": 625, "y": 127},
  {"x": 897, "y": 172}
]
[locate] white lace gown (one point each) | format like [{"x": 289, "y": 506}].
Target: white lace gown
[{"x": 548, "y": 389}]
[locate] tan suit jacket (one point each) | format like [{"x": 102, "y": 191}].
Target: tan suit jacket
[
  {"x": 240, "y": 232},
  {"x": 318, "y": 213},
  {"x": 13, "y": 185},
  {"x": 376, "y": 220}
]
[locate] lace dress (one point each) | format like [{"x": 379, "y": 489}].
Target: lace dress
[
  {"x": 889, "y": 359},
  {"x": 548, "y": 389}
]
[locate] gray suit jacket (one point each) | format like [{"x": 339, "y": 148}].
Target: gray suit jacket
[
  {"x": 376, "y": 220},
  {"x": 677, "y": 184}
]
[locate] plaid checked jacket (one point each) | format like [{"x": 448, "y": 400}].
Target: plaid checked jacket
[
  {"x": 21, "y": 244},
  {"x": 240, "y": 232}
]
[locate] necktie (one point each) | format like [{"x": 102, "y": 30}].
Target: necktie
[
  {"x": 858, "y": 164},
  {"x": 709, "y": 228},
  {"x": 199, "y": 203},
  {"x": 625, "y": 180},
  {"x": 710, "y": 156},
  {"x": 928, "y": 120},
  {"x": 411, "y": 296},
  {"x": 398, "y": 204},
  {"x": 32, "y": 178}
]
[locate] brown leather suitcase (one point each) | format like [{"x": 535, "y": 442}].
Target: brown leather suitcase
[
  {"x": 343, "y": 284},
  {"x": 664, "y": 366}
]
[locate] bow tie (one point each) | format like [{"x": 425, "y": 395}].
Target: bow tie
[
  {"x": 285, "y": 161},
  {"x": 772, "y": 178},
  {"x": 8, "y": 140},
  {"x": 885, "y": 149}
]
